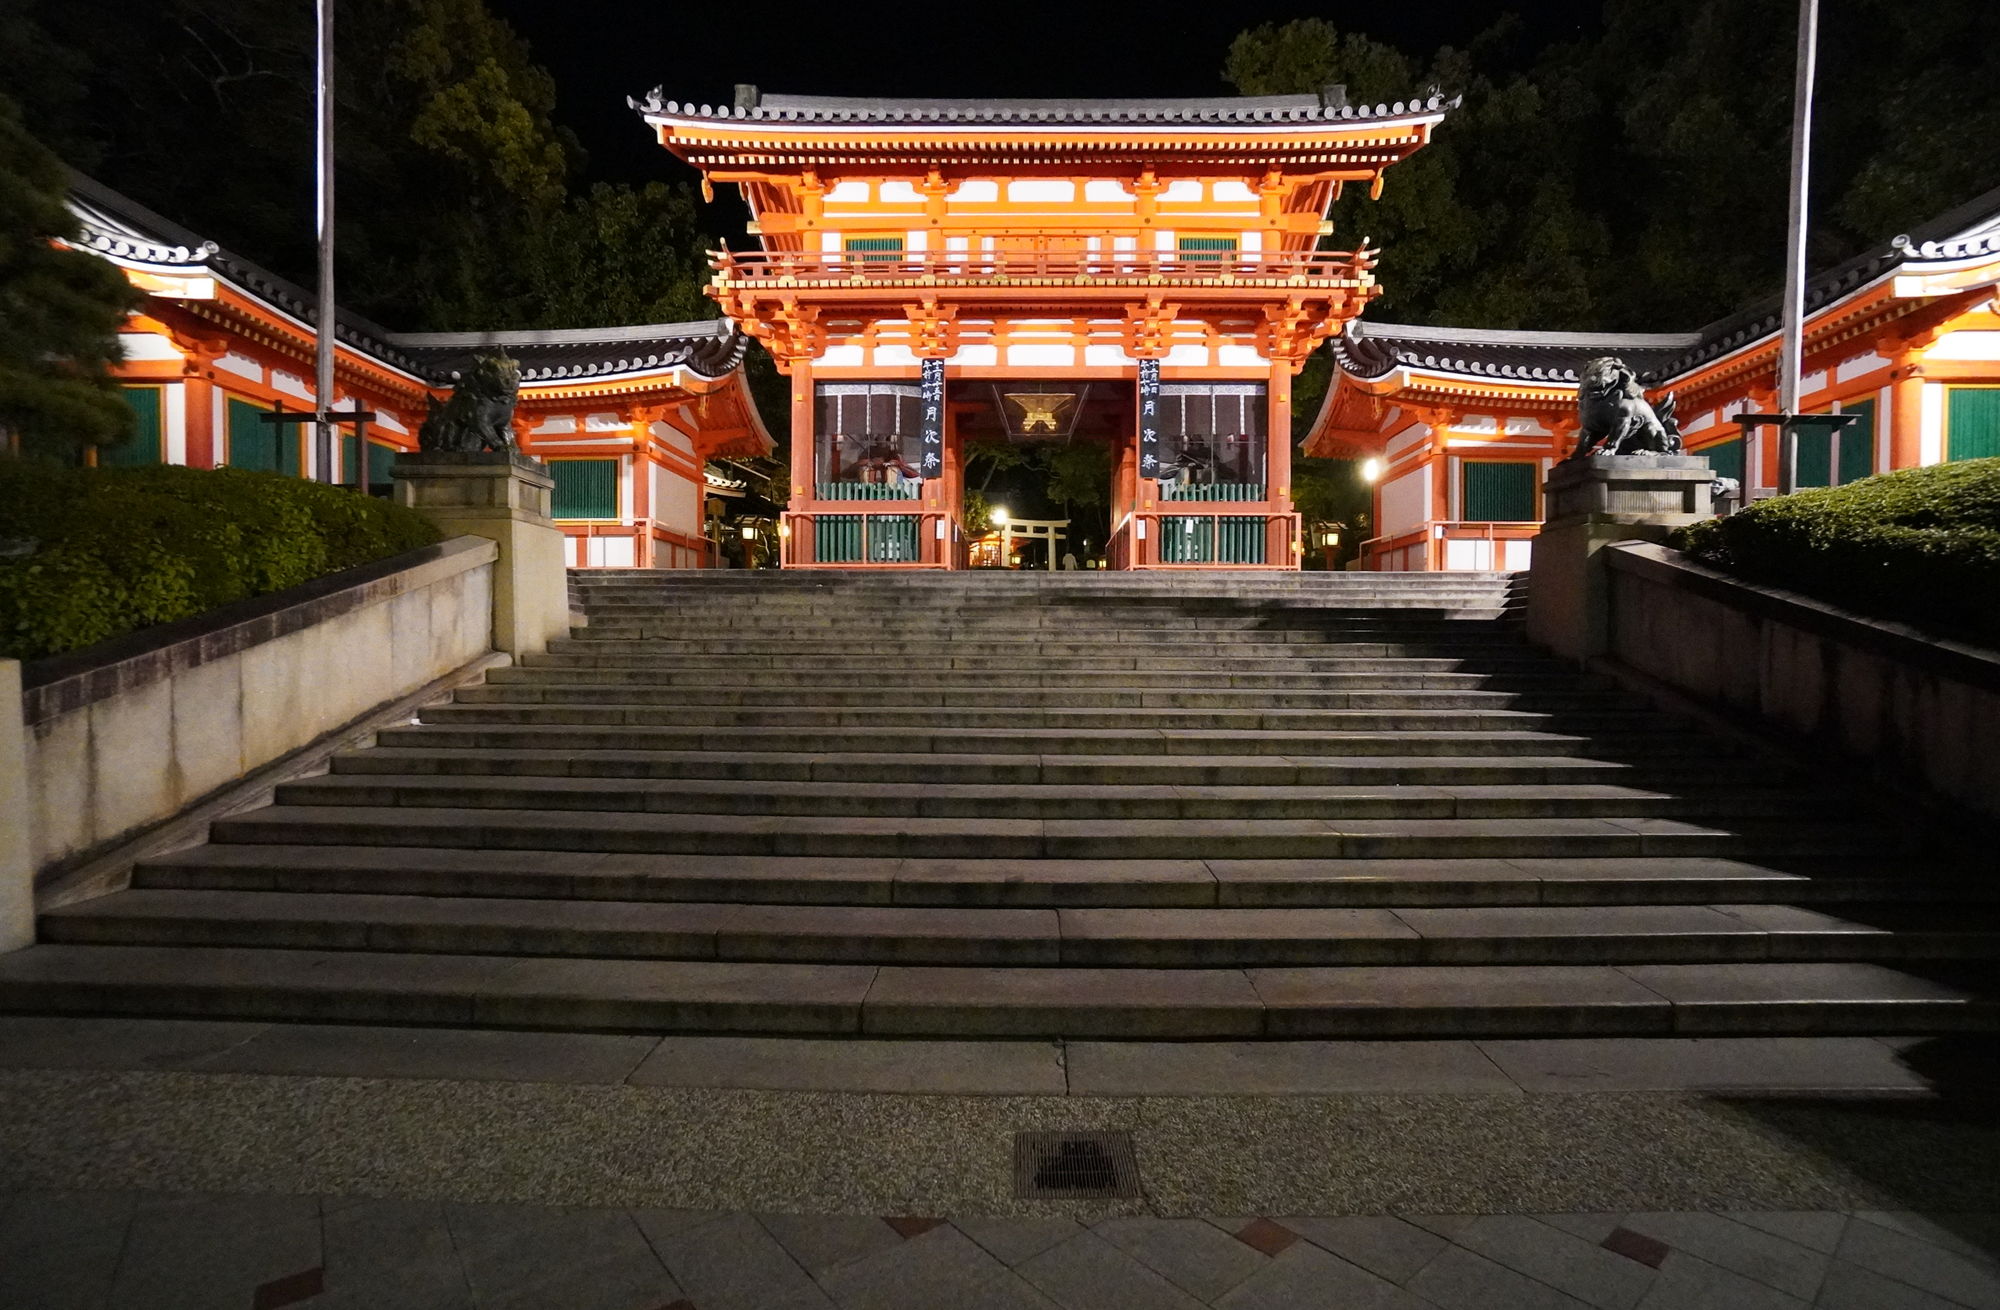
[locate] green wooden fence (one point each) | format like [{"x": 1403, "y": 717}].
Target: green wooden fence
[
  {"x": 890, "y": 538},
  {"x": 1223, "y": 539}
]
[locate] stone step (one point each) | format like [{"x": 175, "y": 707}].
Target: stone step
[
  {"x": 1073, "y": 638},
  {"x": 462, "y": 727},
  {"x": 1166, "y": 882},
  {"x": 568, "y": 653},
  {"x": 1025, "y": 717},
  {"x": 894, "y": 694},
  {"x": 614, "y": 831},
  {"x": 409, "y": 750},
  {"x": 1108, "y": 616},
  {"x": 1091, "y": 937},
  {"x": 720, "y": 996},
  {"x": 1049, "y": 800},
  {"x": 661, "y": 671}
]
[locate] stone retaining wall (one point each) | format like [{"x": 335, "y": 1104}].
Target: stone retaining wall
[
  {"x": 1914, "y": 707},
  {"x": 129, "y": 734}
]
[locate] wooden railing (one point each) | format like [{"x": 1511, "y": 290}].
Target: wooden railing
[{"x": 1327, "y": 268}]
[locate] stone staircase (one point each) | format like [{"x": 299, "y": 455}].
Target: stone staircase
[{"x": 1083, "y": 805}]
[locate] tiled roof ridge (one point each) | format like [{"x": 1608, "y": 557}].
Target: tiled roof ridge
[
  {"x": 1329, "y": 105},
  {"x": 115, "y": 225}
]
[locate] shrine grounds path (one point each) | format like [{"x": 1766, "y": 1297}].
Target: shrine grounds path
[{"x": 231, "y": 1164}]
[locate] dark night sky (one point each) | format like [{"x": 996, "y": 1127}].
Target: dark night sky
[{"x": 601, "y": 51}]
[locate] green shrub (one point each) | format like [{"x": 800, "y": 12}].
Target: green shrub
[
  {"x": 1921, "y": 545},
  {"x": 118, "y": 549}
]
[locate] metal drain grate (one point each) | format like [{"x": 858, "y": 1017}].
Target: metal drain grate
[{"x": 1074, "y": 1166}]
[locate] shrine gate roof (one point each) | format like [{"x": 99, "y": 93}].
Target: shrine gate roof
[{"x": 1328, "y": 106}]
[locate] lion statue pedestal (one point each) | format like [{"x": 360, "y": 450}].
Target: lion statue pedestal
[
  {"x": 1627, "y": 481},
  {"x": 505, "y": 496}
]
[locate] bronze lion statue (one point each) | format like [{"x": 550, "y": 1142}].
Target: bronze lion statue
[
  {"x": 480, "y": 414},
  {"x": 1616, "y": 420}
]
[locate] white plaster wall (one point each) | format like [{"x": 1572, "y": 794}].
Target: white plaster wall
[
  {"x": 148, "y": 348},
  {"x": 173, "y": 422},
  {"x": 1405, "y": 503},
  {"x": 1930, "y": 432},
  {"x": 1968, "y": 345},
  {"x": 676, "y": 502},
  {"x": 101, "y": 771},
  {"x": 1849, "y": 369}
]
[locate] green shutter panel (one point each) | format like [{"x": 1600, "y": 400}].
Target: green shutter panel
[
  {"x": 1814, "y": 462},
  {"x": 1209, "y": 248},
  {"x": 253, "y": 443},
  {"x": 1972, "y": 423},
  {"x": 874, "y": 250},
  {"x": 1857, "y": 442},
  {"x": 1726, "y": 458},
  {"x": 1499, "y": 491},
  {"x": 585, "y": 488},
  {"x": 145, "y": 445},
  {"x": 381, "y": 465}
]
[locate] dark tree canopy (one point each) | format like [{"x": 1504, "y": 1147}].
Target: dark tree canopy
[
  {"x": 60, "y": 310},
  {"x": 1637, "y": 182},
  {"x": 458, "y": 201}
]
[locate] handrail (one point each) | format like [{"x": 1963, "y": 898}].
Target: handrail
[{"x": 1320, "y": 267}]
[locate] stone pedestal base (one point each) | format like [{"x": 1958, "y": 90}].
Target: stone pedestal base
[
  {"x": 506, "y": 498},
  {"x": 1592, "y": 503}
]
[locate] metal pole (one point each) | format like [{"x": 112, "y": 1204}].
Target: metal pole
[
  {"x": 323, "y": 444},
  {"x": 1791, "y": 361}
]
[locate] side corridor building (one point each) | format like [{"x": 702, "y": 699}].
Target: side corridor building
[
  {"x": 626, "y": 417},
  {"x": 1467, "y": 422}
]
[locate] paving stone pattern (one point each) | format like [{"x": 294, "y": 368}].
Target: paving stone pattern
[
  {"x": 1070, "y": 806},
  {"x": 64, "y": 1249}
]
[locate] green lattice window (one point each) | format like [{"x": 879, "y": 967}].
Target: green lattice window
[
  {"x": 1206, "y": 248},
  {"x": 874, "y": 250},
  {"x": 1856, "y": 459},
  {"x": 585, "y": 488},
  {"x": 147, "y": 442},
  {"x": 1499, "y": 491},
  {"x": 255, "y": 444},
  {"x": 1972, "y": 422}
]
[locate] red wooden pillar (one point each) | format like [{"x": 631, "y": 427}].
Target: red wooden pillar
[
  {"x": 1279, "y": 548},
  {"x": 1906, "y": 415},
  {"x": 198, "y": 406},
  {"x": 803, "y": 456}
]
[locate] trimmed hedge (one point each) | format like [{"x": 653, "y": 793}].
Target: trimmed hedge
[
  {"x": 119, "y": 549},
  {"x": 1921, "y": 545}
]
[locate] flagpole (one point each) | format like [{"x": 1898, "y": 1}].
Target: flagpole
[
  {"x": 324, "y": 449},
  {"x": 1791, "y": 354}
]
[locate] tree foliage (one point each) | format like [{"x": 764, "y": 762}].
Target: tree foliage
[
  {"x": 60, "y": 310},
  {"x": 1637, "y": 180}
]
